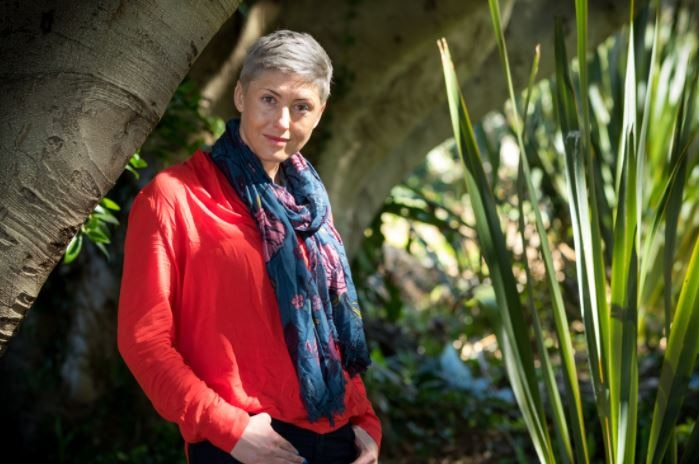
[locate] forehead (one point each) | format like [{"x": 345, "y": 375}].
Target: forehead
[{"x": 285, "y": 84}]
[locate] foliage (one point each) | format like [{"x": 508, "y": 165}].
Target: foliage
[
  {"x": 183, "y": 128},
  {"x": 625, "y": 180},
  {"x": 435, "y": 383},
  {"x": 96, "y": 227},
  {"x": 102, "y": 438},
  {"x": 430, "y": 404}
]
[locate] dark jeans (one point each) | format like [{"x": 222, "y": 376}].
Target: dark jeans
[{"x": 336, "y": 447}]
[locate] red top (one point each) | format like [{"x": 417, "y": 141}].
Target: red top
[{"x": 199, "y": 325}]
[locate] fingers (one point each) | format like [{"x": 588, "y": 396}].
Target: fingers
[
  {"x": 284, "y": 450},
  {"x": 260, "y": 443},
  {"x": 277, "y": 439},
  {"x": 286, "y": 457},
  {"x": 368, "y": 450},
  {"x": 363, "y": 439},
  {"x": 365, "y": 457},
  {"x": 283, "y": 444}
]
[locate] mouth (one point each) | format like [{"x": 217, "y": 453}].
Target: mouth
[{"x": 277, "y": 140}]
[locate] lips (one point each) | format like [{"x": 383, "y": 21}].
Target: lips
[{"x": 276, "y": 140}]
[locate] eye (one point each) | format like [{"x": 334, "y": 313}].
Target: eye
[
  {"x": 268, "y": 99},
  {"x": 302, "y": 107}
]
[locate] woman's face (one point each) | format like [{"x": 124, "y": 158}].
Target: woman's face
[{"x": 278, "y": 114}]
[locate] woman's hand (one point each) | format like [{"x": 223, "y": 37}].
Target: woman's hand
[
  {"x": 368, "y": 449},
  {"x": 260, "y": 444}
]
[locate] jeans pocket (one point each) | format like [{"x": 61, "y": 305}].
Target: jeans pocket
[{"x": 339, "y": 447}]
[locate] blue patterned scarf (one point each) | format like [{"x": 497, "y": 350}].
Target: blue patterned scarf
[{"x": 317, "y": 301}]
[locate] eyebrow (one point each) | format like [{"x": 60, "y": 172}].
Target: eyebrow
[{"x": 277, "y": 94}]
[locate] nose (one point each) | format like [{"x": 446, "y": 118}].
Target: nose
[{"x": 283, "y": 118}]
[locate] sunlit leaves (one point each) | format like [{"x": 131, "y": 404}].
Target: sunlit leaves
[
  {"x": 96, "y": 228},
  {"x": 135, "y": 163},
  {"x": 625, "y": 178}
]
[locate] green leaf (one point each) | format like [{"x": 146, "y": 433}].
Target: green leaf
[
  {"x": 133, "y": 171},
  {"x": 137, "y": 162},
  {"x": 97, "y": 236},
  {"x": 110, "y": 204},
  {"x": 691, "y": 450},
  {"x": 586, "y": 236},
  {"x": 560, "y": 318},
  {"x": 103, "y": 249},
  {"x": 623, "y": 367},
  {"x": 561, "y": 428},
  {"x": 73, "y": 249},
  {"x": 107, "y": 217},
  {"x": 678, "y": 362},
  {"x": 511, "y": 328}
]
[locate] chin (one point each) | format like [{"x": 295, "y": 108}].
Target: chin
[
  {"x": 283, "y": 156},
  {"x": 279, "y": 157},
  {"x": 274, "y": 158}
]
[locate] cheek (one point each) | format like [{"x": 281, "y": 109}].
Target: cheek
[
  {"x": 306, "y": 129},
  {"x": 256, "y": 113},
  {"x": 300, "y": 138}
]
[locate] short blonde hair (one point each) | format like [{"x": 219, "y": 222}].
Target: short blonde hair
[{"x": 292, "y": 52}]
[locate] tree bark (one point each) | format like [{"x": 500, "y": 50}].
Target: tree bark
[{"x": 83, "y": 84}]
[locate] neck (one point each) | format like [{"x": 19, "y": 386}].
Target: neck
[{"x": 272, "y": 170}]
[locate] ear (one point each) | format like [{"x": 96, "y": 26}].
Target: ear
[
  {"x": 238, "y": 94},
  {"x": 322, "y": 108}
]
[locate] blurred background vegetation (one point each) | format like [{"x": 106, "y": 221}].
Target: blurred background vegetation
[{"x": 438, "y": 380}]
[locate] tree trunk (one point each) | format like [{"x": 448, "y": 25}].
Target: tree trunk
[
  {"x": 388, "y": 107},
  {"x": 83, "y": 84}
]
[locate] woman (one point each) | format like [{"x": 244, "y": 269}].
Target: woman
[{"x": 237, "y": 315}]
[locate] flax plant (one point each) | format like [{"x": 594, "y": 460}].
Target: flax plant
[{"x": 629, "y": 190}]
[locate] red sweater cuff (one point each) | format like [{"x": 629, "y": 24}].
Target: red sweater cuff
[{"x": 225, "y": 425}]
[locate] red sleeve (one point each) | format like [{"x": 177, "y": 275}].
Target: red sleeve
[
  {"x": 146, "y": 331},
  {"x": 369, "y": 421}
]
